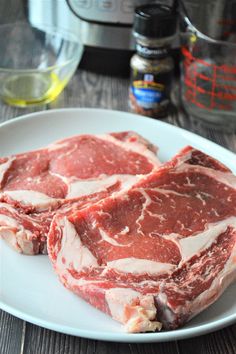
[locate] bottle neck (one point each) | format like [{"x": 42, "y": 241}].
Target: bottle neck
[{"x": 152, "y": 52}]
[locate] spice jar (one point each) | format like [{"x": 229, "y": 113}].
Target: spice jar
[{"x": 152, "y": 66}]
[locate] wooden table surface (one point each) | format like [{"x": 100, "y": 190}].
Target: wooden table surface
[{"x": 19, "y": 337}]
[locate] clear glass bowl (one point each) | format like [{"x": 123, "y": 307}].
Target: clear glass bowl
[{"x": 35, "y": 64}]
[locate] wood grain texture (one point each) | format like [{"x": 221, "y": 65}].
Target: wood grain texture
[
  {"x": 223, "y": 341},
  {"x": 42, "y": 341},
  {"x": 17, "y": 337},
  {"x": 87, "y": 89},
  {"x": 11, "y": 334}
]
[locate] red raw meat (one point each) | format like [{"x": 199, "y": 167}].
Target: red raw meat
[
  {"x": 71, "y": 173},
  {"x": 158, "y": 253}
]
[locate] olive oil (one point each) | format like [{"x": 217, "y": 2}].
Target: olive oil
[{"x": 28, "y": 89}]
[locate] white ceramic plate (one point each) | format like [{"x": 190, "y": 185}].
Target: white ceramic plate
[{"x": 29, "y": 288}]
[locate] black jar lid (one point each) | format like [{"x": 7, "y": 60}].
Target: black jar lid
[{"x": 155, "y": 21}]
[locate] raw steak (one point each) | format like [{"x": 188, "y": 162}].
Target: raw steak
[
  {"x": 157, "y": 254},
  {"x": 71, "y": 173}
]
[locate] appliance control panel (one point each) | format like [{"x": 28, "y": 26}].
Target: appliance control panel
[{"x": 108, "y": 11}]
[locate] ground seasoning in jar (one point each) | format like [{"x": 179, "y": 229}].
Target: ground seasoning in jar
[{"x": 152, "y": 66}]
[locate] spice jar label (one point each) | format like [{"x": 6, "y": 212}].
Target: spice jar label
[{"x": 149, "y": 93}]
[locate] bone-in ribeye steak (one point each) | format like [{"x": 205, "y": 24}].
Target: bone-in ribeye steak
[
  {"x": 70, "y": 173},
  {"x": 157, "y": 254}
]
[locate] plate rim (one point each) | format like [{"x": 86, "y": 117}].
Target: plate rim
[
  {"x": 166, "y": 336},
  {"x": 123, "y": 337},
  {"x": 40, "y": 114}
]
